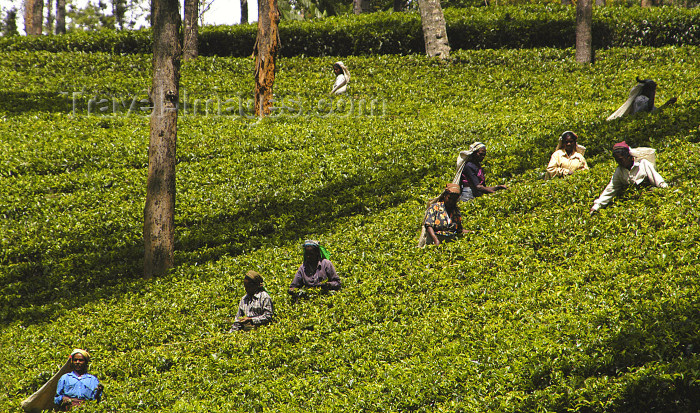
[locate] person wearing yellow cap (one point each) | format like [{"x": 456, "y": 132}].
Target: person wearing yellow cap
[
  {"x": 255, "y": 308},
  {"x": 77, "y": 386},
  {"x": 443, "y": 220}
]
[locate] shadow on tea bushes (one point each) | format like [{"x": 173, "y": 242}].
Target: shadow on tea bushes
[{"x": 275, "y": 220}]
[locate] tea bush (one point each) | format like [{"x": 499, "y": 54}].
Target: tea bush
[
  {"x": 542, "y": 308},
  {"x": 523, "y": 26}
]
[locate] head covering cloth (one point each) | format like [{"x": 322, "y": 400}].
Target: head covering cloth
[
  {"x": 345, "y": 70},
  {"x": 462, "y": 159},
  {"x": 622, "y": 148},
  {"x": 80, "y": 351},
  {"x": 254, "y": 276},
  {"x": 475, "y": 147},
  {"x": 579, "y": 148},
  {"x": 453, "y": 188},
  {"x": 322, "y": 250}
]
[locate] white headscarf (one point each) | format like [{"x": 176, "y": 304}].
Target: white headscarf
[
  {"x": 579, "y": 148},
  {"x": 346, "y": 72},
  {"x": 462, "y": 159}
]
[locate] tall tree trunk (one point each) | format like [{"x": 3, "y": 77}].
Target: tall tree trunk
[
  {"x": 584, "y": 37},
  {"x": 33, "y": 17},
  {"x": 159, "y": 212},
  {"x": 10, "y": 23},
  {"x": 244, "y": 11},
  {"x": 119, "y": 12},
  {"x": 266, "y": 47},
  {"x": 60, "y": 16},
  {"x": 49, "y": 16},
  {"x": 189, "y": 46},
  {"x": 361, "y": 6},
  {"x": 434, "y": 29}
]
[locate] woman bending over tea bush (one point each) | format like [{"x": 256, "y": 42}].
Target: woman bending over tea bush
[
  {"x": 568, "y": 157},
  {"x": 470, "y": 174},
  {"x": 443, "y": 220},
  {"x": 629, "y": 171},
  {"x": 641, "y": 99}
]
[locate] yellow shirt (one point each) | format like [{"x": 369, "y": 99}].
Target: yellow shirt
[{"x": 561, "y": 164}]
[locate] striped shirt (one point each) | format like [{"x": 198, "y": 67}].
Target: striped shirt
[{"x": 257, "y": 306}]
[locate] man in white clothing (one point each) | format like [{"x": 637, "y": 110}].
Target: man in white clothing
[{"x": 628, "y": 172}]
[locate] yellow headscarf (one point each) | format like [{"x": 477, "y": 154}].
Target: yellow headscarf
[{"x": 80, "y": 351}]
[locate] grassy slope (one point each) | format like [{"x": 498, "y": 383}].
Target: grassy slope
[{"x": 542, "y": 309}]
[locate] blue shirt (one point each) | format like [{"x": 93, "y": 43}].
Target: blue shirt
[{"x": 77, "y": 387}]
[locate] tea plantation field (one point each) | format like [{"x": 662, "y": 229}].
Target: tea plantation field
[{"x": 543, "y": 308}]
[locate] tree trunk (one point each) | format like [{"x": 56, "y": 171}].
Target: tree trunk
[
  {"x": 33, "y": 17},
  {"x": 584, "y": 37},
  {"x": 266, "y": 47},
  {"x": 434, "y": 29},
  {"x": 648, "y": 3},
  {"x": 189, "y": 46},
  {"x": 361, "y": 6},
  {"x": 399, "y": 5},
  {"x": 159, "y": 212},
  {"x": 244, "y": 11},
  {"x": 49, "y": 17},
  {"x": 10, "y": 23},
  {"x": 119, "y": 12},
  {"x": 60, "y": 16}
]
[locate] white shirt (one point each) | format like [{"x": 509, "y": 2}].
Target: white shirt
[
  {"x": 641, "y": 171},
  {"x": 340, "y": 85}
]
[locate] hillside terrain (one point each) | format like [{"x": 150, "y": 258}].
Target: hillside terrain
[{"x": 543, "y": 308}]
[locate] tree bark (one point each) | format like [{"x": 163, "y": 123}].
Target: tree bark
[
  {"x": 33, "y": 17},
  {"x": 244, "y": 11},
  {"x": 584, "y": 37},
  {"x": 119, "y": 12},
  {"x": 10, "y": 23},
  {"x": 60, "y": 16},
  {"x": 159, "y": 211},
  {"x": 266, "y": 47},
  {"x": 190, "y": 49},
  {"x": 361, "y": 6},
  {"x": 49, "y": 17},
  {"x": 434, "y": 29}
]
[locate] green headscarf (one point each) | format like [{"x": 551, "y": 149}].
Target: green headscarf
[{"x": 322, "y": 250}]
